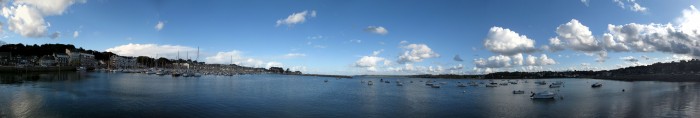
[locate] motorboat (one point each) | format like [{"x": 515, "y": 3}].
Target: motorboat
[
  {"x": 370, "y": 83},
  {"x": 554, "y": 86},
  {"x": 596, "y": 85},
  {"x": 541, "y": 82},
  {"x": 518, "y": 92},
  {"x": 558, "y": 83},
  {"x": 435, "y": 86},
  {"x": 491, "y": 85},
  {"x": 543, "y": 95},
  {"x": 399, "y": 84},
  {"x": 503, "y": 84},
  {"x": 325, "y": 80}
]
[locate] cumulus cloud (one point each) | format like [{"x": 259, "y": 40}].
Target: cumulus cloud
[
  {"x": 543, "y": 60},
  {"x": 576, "y": 36},
  {"x": 151, "y": 50},
  {"x": 585, "y": 2},
  {"x": 377, "y": 30},
  {"x": 677, "y": 39},
  {"x": 26, "y": 17},
  {"x": 457, "y": 58},
  {"x": 507, "y": 42},
  {"x": 294, "y": 55},
  {"x": 371, "y": 63},
  {"x": 236, "y": 57},
  {"x": 76, "y": 34},
  {"x": 498, "y": 61},
  {"x": 159, "y": 26},
  {"x": 296, "y": 18},
  {"x": 416, "y": 53}
]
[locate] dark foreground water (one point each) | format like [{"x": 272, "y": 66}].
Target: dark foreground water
[{"x": 140, "y": 95}]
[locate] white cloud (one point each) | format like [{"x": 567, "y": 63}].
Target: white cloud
[
  {"x": 377, "y": 30},
  {"x": 25, "y": 21},
  {"x": 629, "y": 59},
  {"x": 517, "y": 59},
  {"x": 633, "y": 5},
  {"x": 371, "y": 63},
  {"x": 576, "y": 36},
  {"x": 457, "y": 58},
  {"x": 50, "y": 7},
  {"x": 159, "y": 26},
  {"x": 293, "y": 55},
  {"x": 638, "y": 8},
  {"x": 151, "y": 50},
  {"x": 416, "y": 53},
  {"x": 236, "y": 57},
  {"x": 585, "y": 2},
  {"x": 498, "y": 61},
  {"x": 26, "y": 17},
  {"x": 75, "y": 34},
  {"x": 375, "y": 53},
  {"x": 296, "y": 18},
  {"x": 683, "y": 38},
  {"x": 507, "y": 42},
  {"x": 543, "y": 60},
  {"x": 368, "y": 61}
]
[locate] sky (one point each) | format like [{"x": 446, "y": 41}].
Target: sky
[{"x": 371, "y": 36}]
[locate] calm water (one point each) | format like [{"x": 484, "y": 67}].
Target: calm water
[{"x": 141, "y": 95}]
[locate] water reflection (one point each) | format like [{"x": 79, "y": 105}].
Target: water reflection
[{"x": 142, "y": 95}]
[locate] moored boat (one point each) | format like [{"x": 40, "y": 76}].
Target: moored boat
[{"x": 543, "y": 95}]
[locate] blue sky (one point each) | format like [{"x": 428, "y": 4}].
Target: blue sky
[{"x": 368, "y": 36}]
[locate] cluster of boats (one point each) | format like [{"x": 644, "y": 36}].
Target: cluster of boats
[{"x": 491, "y": 83}]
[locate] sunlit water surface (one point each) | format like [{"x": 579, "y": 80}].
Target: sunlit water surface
[{"x": 93, "y": 94}]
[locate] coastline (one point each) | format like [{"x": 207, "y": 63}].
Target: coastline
[{"x": 655, "y": 77}]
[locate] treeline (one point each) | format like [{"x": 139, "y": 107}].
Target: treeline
[
  {"x": 21, "y": 50},
  {"x": 683, "y": 67}
]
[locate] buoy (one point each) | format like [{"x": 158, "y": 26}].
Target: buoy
[{"x": 623, "y": 90}]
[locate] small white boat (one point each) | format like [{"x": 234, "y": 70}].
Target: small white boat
[
  {"x": 543, "y": 95},
  {"x": 435, "y": 86},
  {"x": 399, "y": 84},
  {"x": 461, "y": 85},
  {"x": 541, "y": 82},
  {"x": 558, "y": 83},
  {"x": 518, "y": 92},
  {"x": 554, "y": 86},
  {"x": 370, "y": 83},
  {"x": 596, "y": 85}
]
